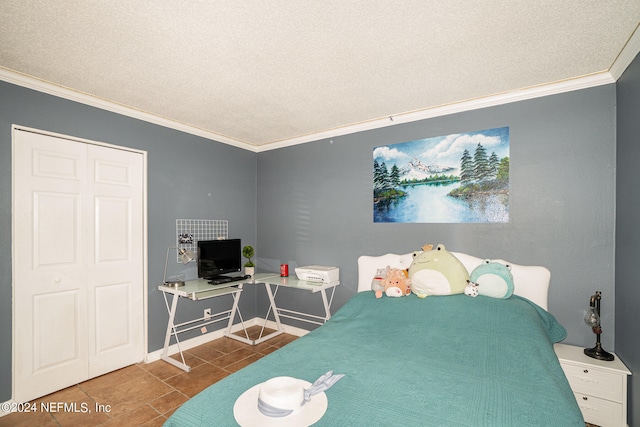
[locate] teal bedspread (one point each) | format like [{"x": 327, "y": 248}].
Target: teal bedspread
[{"x": 439, "y": 361}]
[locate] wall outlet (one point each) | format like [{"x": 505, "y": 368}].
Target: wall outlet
[{"x": 207, "y": 313}]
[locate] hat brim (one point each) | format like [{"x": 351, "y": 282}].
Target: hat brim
[{"x": 246, "y": 412}]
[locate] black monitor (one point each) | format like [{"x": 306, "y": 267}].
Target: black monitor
[{"x": 217, "y": 257}]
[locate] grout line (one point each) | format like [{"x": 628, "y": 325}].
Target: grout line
[{"x": 236, "y": 346}]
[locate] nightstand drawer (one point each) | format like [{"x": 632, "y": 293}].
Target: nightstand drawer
[
  {"x": 601, "y": 412},
  {"x": 594, "y": 382}
]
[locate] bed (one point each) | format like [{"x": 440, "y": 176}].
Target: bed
[{"x": 436, "y": 361}]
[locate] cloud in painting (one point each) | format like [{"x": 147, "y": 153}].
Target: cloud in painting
[
  {"x": 449, "y": 149},
  {"x": 387, "y": 154}
]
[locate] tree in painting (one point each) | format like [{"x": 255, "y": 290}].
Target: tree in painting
[{"x": 453, "y": 178}]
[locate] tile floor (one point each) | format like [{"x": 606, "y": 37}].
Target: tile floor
[{"x": 144, "y": 394}]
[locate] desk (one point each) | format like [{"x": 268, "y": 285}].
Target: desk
[
  {"x": 196, "y": 290},
  {"x": 273, "y": 279},
  {"x": 200, "y": 289}
]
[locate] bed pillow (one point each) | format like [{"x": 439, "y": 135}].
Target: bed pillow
[{"x": 494, "y": 279}]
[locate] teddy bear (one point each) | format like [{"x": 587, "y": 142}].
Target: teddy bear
[{"x": 393, "y": 282}]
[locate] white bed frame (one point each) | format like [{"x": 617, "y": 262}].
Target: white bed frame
[{"x": 531, "y": 282}]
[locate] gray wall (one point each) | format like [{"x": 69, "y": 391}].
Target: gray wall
[
  {"x": 628, "y": 232},
  {"x": 182, "y": 171},
  {"x": 312, "y": 203},
  {"x": 315, "y": 201}
]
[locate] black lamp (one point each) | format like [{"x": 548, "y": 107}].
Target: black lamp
[{"x": 592, "y": 318}]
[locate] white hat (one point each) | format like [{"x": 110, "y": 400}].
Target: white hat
[{"x": 284, "y": 401}]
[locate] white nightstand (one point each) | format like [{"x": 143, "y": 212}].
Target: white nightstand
[{"x": 600, "y": 387}]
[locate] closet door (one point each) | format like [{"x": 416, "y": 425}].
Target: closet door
[
  {"x": 115, "y": 279},
  {"x": 69, "y": 229}
]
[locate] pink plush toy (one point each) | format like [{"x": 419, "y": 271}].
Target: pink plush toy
[{"x": 397, "y": 284}]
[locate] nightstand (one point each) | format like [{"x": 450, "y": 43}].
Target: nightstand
[{"x": 600, "y": 387}]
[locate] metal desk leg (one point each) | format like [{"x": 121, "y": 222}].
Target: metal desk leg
[
  {"x": 232, "y": 316},
  {"x": 327, "y": 303},
  {"x": 274, "y": 308},
  {"x": 172, "y": 329}
]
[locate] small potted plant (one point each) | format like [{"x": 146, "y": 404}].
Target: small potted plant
[{"x": 249, "y": 266}]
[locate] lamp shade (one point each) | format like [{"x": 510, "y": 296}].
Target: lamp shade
[{"x": 185, "y": 256}]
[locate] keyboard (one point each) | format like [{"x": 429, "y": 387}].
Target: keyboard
[{"x": 226, "y": 279}]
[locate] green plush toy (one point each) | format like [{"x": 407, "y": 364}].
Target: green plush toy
[
  {"x": 493, "y": 279},
  {"x": 437, "y": 272}
]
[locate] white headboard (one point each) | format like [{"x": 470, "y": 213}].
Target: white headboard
[{"x": 531, "y": 282}]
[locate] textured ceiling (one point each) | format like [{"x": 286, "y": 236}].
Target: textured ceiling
[{"x": 261, "y": 73}]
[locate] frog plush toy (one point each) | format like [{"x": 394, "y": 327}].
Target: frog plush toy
[
  {"x": 437, "y": 272},
  {"x": 493, "y": 279}
]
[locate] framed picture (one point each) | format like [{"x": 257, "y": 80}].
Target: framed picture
[{"x": 459, "y": 178}]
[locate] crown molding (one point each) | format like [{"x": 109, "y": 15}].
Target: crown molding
[
  {"x": 72, "y": 95},
  {"x": 627, "y": 55},
  {"x": 622, "y": 62},
  {"x": 474, "y": 104}
]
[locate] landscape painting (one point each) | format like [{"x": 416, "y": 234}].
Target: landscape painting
[{"x": 459, "y": 178}]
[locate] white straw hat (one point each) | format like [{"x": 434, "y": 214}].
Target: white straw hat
[
  {"x": 247, "y": 413},
  {"x": 284, "y": 401}
]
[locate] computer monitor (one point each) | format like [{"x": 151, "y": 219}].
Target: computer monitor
[{"x": 217, "y": 257}]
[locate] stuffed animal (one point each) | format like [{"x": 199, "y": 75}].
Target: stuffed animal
[
  {"x": 494, "y": 279},
  {"x": 471, "y": 289},
  {"x": 377, "y": 284},
  {"x": 397, "y": 284},
  {"x": 393, "y": 282},
  {"x": 437, "y": 272}
]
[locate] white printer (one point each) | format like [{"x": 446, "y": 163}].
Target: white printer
[{"x": 318, "y": 273}]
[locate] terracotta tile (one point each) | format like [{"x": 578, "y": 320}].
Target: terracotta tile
[
  {"x": 134, "y": 418},
  {"x": 259, "y": 348},
  {"x": 147, "y": 394},
  {"x": 243, "y": 363},
  {"x": 161, "y": 369},
  {"x": 190, "y": 359},
  {"x": 284, "y": 339},
  {"x": 81, "y": 418},
  {"x": 256, "y": 331},
  {"x": 234, "y": 357},
  {"x": 200, "y": 377},
  {"x": 74, "y": 391},
  {"x": 114, "y": 378},
  {"x": 156, "y": 422},
  {"x": 229, "y": 345},
  {"x": 127, "y": 395},
  {"x": 268, "y": 350},
  {"x": 168, "y": 414},
  {"x": 206, "y": 352},
  {"x": 168, "y": 402},
  {"x": 28, "y": 419},
  {"x": 72, "y": 406}
]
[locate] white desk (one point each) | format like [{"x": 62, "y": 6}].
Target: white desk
[
  {"x": 196, "y": 290},
  {"x": 274, "y": 280},
  {"x": 200, "y": 289}
]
